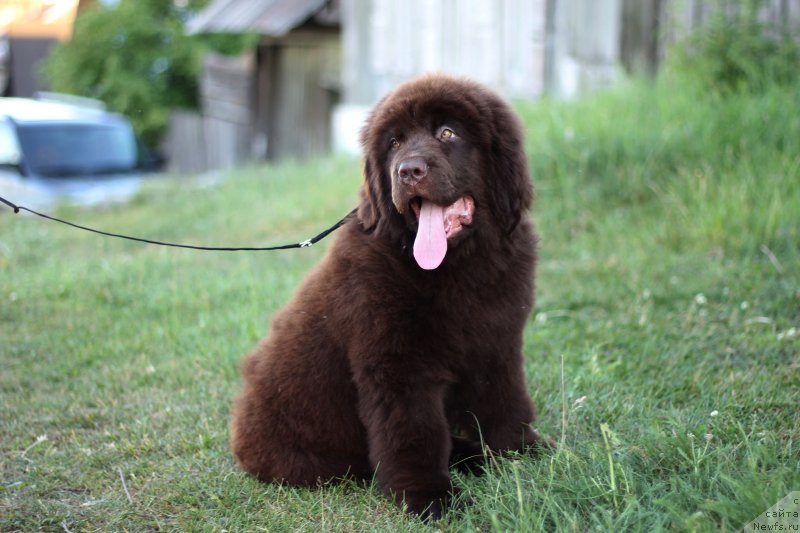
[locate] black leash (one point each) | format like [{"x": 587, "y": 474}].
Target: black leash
[{"x": 303, "y": 244}]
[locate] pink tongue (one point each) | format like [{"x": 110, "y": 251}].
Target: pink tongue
[{"x": 430, "y": 246}]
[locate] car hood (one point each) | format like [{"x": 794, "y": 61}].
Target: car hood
[{"x": 38, "y": 192}]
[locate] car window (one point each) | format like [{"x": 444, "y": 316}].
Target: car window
[{"x": 61, "y": 149}]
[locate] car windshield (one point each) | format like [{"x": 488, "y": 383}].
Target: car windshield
[{"x": 63, "y": 150}]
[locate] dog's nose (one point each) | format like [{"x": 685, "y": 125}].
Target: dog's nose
[{"x": 412, "y": 170}]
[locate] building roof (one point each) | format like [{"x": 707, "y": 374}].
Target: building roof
[
  {"x": 268, "y": 17},
  {"x": 26, "y": 19}
]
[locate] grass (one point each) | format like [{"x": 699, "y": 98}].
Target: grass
[{"x": 664, "y": 352}]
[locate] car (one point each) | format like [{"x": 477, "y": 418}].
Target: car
[{"x": 58, "y": 147}]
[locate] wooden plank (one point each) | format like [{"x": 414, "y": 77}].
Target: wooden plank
[{"x": 185, "y": 144}]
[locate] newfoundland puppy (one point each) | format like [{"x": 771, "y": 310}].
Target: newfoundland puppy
[{"x": 400, "y": 355}]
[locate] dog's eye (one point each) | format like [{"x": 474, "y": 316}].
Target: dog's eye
[
  {"x": 446, "y": 134},
  {"x": 394, "y": 143}
]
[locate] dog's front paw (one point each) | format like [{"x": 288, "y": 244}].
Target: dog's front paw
[
  {"x": 541, "y": 443},
  {"x": 467, "y": 456},
  {"x": 430, "y": 508}
]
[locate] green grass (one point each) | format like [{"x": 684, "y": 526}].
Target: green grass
[{"x": 664, "y": 352}]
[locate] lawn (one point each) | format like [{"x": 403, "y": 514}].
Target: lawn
[{"x": 663, "y": 354}]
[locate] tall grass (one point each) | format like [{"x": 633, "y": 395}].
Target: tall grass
[{"x": 714, "y": 170}]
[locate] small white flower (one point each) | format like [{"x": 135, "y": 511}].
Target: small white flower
[
  {"x": 714, "y": 413},
  {"x": 579, "y": 402},
  {"x": 744, "y": 305},
  {"x": 700, "y": 298},
  {"x": 708, "y": 437},
  {"x": 541, "y": 318}
]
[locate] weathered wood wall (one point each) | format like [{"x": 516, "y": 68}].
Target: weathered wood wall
[
  {"x": 650, "y": 27},
  {"x": 226, "y": 96},
  {"x": 298, "y": 87},
  {"x": 680, "y": 17},
  {"x": 220, "y": 135},
  {"x": 499, "y": 42},
  {"x": 521, "y": 47},
  {"x": 185, "y": 145}
]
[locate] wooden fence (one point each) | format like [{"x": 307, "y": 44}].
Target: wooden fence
[{"x": 220, "y": 135}]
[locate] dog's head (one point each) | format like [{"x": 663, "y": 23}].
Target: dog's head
[{"x": 443, "y": 161}]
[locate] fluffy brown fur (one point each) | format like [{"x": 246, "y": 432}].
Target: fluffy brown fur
[{"x": 378, "y": 368}]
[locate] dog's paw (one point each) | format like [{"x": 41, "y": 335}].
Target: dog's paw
[
  {"x": 467, "y": 456},
  {"x": 541, "y": 443},
  {"x": 428, "y": 508}
]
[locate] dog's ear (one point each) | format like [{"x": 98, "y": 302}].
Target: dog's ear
[
  {"x": 369, "y": 213},
  {"x": 511, "y": 194},
  {"x": 374, "y": 211}
]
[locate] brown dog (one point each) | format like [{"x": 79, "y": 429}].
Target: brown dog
[{"x": 402, "y": 349}]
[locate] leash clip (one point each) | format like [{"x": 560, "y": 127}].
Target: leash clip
[{"x": 13, "y": 206}]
